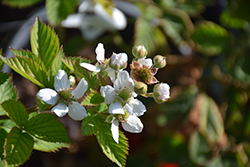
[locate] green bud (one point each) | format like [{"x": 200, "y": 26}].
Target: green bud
[
  {"x": 161, "y": 92},
  {"x": 65, "y": 94},
  {"x": 140, "y": 88},
  {"x": 139, "y": 51},
  {"x": 160, "y": 61}
]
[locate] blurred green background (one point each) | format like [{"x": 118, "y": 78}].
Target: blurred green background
[{"x": 206, "y": 43}]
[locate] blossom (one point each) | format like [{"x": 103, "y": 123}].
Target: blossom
[
  {"x": 118, "y": 61},
  {"x": 142, "y": 70},
  {"x": 62, "y": 92},
  {"x": 161, "y": 92}
]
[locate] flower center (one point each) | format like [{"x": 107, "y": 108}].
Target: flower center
[
  {"x": 65, "y": 94},
  {"x": 144, "y": 74},
  {"x": 124, "y": 95}
]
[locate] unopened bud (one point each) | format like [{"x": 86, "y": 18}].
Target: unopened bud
[
  {"x": 139, "y": 51},
  {"x": 160, "y": 61},
  {"x": 140, "y": 88},
  {"x": 72, "y": 80},
  {"x": 118, "y": 61},
  {"x": 161, "y": 92}
]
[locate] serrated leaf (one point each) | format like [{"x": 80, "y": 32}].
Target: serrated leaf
[
  {"x": 28, "y": 68},
  {"x": 7, "y": 91},
  {"x": 115, "y": 152},
  {"x": 28, "y": 54},
  {"x": 20, "y": 3},
  {"x": 44, "y": 42},
  {"x": 18, "y": 147},
  {"x": 211, "y": 122},
  {"x": 144, "y": 34},
  {"x": 48, "y": 146},
  {"x": 90, "y": 125},
  {"x": 103, "y": 107},
  {"x": 92, "y": 99},
  {"x": 46, "y": 127},
  {"x": 2, "y": 140},
  {"x": 199, "y": 150},
  {"x": 16, "y": 111},
  {"x": 210, "y": 38},
  {"x": 58, "y": 10},
  {"x": 74, "y": 66},
  {"x": 7, "y": 124},
  {"x": 3, "y": 76}
]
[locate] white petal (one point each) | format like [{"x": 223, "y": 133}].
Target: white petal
[
  {"x": 47, "y": 95},
  {"x": 108, "y": 93},
  {"x": 72, "y": 21},
  {"x": 90, "y": 67},
  {"x": 123, "y": 80},
  {"x": 135, "y": 107},
  {"x": 115, "y": 130},
  {"x": 116, "y": 108},
  {"x": 111, "y": 73},
  {"x": 147, "y": 62},
  {"x": 77, "y": 111},
  {"x": 60, "y": 109},
  {"x": 100, "y": 52},
  {"x": 133, "y": 124},
  {"x": 61, "y": 80},
  {"x": 81, "y": 88}
]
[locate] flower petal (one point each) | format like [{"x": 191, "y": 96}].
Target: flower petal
[
  {"x": 108, "y": 93},
  {"x": 90, "y": 67},
  {"x": 123, "y": 80},
  {"x": 146, "y": 62},
  {"x": 77, "y": 111},
  {"x": 47, "y": 95},
  {"x": 100, "y": 52},
  {"x": 133, "y": 124},
  {"x": 135, "y": 107},
  {"x": 111, "y": 73},
  {"x": 61, "y": 80},
  {"x": 115, "y": 130},
  {"x": 116, "y": 108},
  {"x": 81, "y": 88},
  {"x": 60, "y": 109}
]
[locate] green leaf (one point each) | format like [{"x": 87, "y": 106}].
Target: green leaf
[
  {"x": 115, "y": 152},
  {"x": 199, "y": 150},
  {"x": 18, "y": 147},
  {"x": 90, "y": 125},
  {"x": 28, "y": 54},
  {"x": 48, "y": 146},
  {"x": 20, "y": 3},
  {"x": 7, "y": 124},
  {"x": 210, "y": 38},
  {"x": 2, "y": 140},
  {"x": 46, "y": 127},
  {"x": 3, "y": 76},
  {"x": 92, "y": 99},
  {"x": 16, "y": 111},
  {"x": 7, "y": 91},
  {"x": 144, "y": 34},
  {"x": 28, "y": 68},
  {"x": 74, "y": 65},
  {"x": 44, "y": 42},
  {"x": 58, "y": 10},
  {"x": 103, "y": 107},
  {"x": 211, "y": 122}
]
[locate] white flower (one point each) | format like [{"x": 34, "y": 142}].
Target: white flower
[
  {"x": 118, "y": 61},
  {"x": 161, "y": 92},
  {"x": 131, "y": 124},
  {"x": 122, "y": 94},
  {"x": 67, "y": 97}
]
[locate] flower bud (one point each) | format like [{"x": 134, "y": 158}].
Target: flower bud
[
  {"x": 140, "y": 88},
  {"x": 118, "y": 61},
  {"x": 72, "y": 80},
  {"x": 161, "y": 92},
  {"x": 139, "y": 51},
  {"x": 160, "y": 61}
]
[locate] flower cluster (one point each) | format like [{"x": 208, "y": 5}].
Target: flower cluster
[{"x": 120, "y": 97}]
